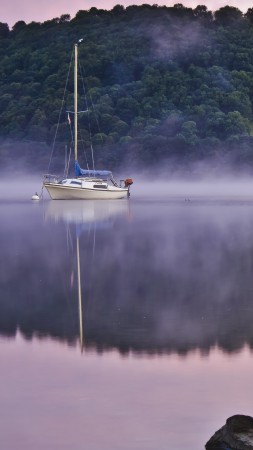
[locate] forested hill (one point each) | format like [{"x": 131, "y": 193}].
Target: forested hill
[{"x": 164, "y": 82}]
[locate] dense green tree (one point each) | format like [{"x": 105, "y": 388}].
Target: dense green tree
[
  {"x": 201, "y": 13},
  {"x": 228, "y": 15},
  {"x": 189, "y": 132},
  {"x": 4, "y": 30},
  {"x": 249, "y": 15},
  {"x": 235, "y": 124},
  {"x": 156, "y": 81},
  {"x": 19, "y": 26},
  {"x": 118, "y": 10}
]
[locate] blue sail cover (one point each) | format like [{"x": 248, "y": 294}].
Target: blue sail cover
[{"x": 91, "y": 173}]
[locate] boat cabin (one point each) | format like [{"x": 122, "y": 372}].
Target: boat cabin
[{"x": 88, "y": 183}]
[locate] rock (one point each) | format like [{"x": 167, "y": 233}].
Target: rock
[{"x": 236, "y": 434}]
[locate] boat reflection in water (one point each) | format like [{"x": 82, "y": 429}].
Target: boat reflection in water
[
  {"x": 87, "y": 216},
  {"x": 87, "y": 212}
]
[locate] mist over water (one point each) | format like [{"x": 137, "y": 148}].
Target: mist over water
[
  {"x": 19, "y": 186},
  {"x": 162, "y": 332},
  {"x": 177, "y": 254},
  {"x": 198, "y": 181},
  {"x": 210, "y": 189}
]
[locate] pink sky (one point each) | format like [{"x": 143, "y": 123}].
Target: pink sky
[{"x": 41, "y": 10}]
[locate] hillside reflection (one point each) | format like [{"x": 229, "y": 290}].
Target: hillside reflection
[{"x": 155, "y": 277}]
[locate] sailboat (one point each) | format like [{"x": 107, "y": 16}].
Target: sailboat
[{"x": 86, "y": 184}]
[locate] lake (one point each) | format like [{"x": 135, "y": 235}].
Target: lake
[{"x": 124, "y": 325}]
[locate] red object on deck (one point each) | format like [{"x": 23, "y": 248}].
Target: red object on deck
[{"x": 128, "y": 182}]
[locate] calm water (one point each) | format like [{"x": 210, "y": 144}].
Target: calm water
[{"x": 153, "y": 351}]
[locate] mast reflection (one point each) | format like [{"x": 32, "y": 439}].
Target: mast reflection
[{"x": 86, "y": 216}]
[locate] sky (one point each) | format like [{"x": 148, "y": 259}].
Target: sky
[{"x": 12, "y": 11}]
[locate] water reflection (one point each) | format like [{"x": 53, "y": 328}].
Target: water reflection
[
  {"x": 155, "y": 276},
  {"x": 86, "y": 215},
  {"x": 87, "y": 212}
]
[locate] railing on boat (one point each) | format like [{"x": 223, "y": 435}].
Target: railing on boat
[{"x": 51, "y": 179}]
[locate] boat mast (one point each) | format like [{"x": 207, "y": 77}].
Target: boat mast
[{"x": 75, "y": 98}]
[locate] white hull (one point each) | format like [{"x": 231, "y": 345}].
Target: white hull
[{"x": 61, "y": 192}]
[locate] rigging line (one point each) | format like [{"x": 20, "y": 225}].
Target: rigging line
[
  {"x": 79, "y": 129},
  {"x": 60, "y": 113},
  {"x": 71, "y": 241},
  {"x": 72, "y": 143},
  {"x": 94, "y": 243},
  {"x": 92, "y": 151},
  {"x": 70, "y": 247},
  {"x": 69, "y": 303},
  {"x": 91, "y": 146},
  {"x": 67, "y": 238},
  {"x": 88, "y": 113},
  {"x": 96, "y": 118},
  {"x": 71, "y": 133},
  {"x": 66, "y": 161},
  {"x": 84, "y": 151},
  {"x": 67, "y": 169}
]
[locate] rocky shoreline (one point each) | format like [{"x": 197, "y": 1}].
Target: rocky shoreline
[{"x": 236, "y": 434}]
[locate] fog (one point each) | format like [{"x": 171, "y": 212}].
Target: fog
[
  {"x": 199, "y": 181},
  {"x": 165, "y": 46},
  {"x": 210, "y": 189},
  {"x": 177, "y": 256},
  {"x": 20, "y": 187}
]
